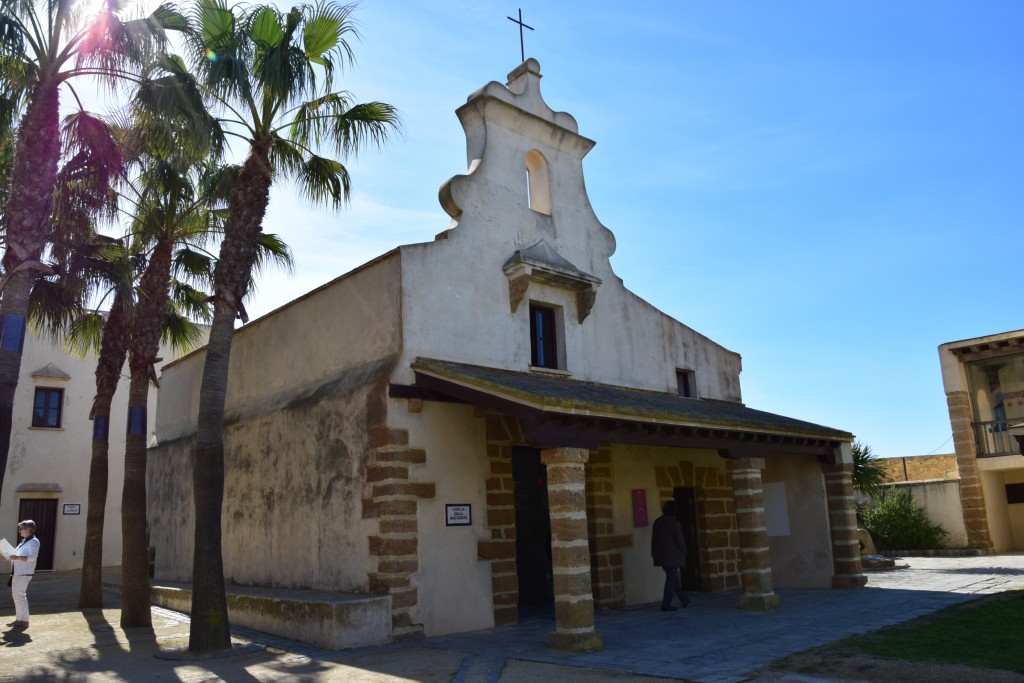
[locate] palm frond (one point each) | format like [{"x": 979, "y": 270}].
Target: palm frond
[
  {"x": 190, "y": 301},
  {"x": 170, "y": 112},
  {"x": 273, "y": 252},
  {"x": 286, "y": 157},
  {"x": 868, "y": 474},
  {"x": 218, "y": 51},
  {"x": 192, "y": 264},
  {"x": 185, "y": 306},
  {"x": 54, "y": 304},
  {"x": 335, "y": 121},
  {"x": 85, "y": 334},
  {"x": 324, "y": 181}
]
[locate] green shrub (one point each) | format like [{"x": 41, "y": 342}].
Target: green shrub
[{"x": 897, "y": 523}]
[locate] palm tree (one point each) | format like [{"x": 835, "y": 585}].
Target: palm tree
[
  {"x": 6, "y": 165},
  {"x": 170, "y": 207},
  {"x": 113, "y": 350},
  {"x": 868, "y": 474},
  {"x": 179, "y": 203},
  {"x": 117, "y": 328},
  {"x": 86, "y": 331},
  {"x": 271, "y": 75},
  {"x": 82, "y": 261},
  {"x": 43, "y": 45}
]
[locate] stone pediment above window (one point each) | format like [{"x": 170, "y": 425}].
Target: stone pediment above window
[
  {"x": 33, "y": 487},
  {"x": 540, "y": 263},
  {"x": 51, "y": 371}
]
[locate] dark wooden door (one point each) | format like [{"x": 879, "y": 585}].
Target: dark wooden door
[
  {"x": 44, "y": 513},
  {"x": 533, "y": 529},
  {"x": 686, "y": 499}
]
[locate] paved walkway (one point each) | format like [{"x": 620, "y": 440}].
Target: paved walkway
[{"x": 710, "y": 642}]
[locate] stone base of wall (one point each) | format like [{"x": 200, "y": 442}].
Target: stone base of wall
[
  {"x": 848, "y": 581},
  {"x": 336, "y": 621},
  {"x": 571, "y": 642},
  {"x": 760, "y": 603}
]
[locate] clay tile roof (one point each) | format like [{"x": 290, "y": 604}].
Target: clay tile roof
[{"x": 562, "y": 395}]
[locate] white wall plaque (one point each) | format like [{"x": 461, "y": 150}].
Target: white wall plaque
[{"x": 458, "y": 514}]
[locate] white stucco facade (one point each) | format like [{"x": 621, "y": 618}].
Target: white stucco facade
[
  {"x": 451, "y": 291},
  {"x": 52, "y": 463},
  {"x": 983, "y": 379}
]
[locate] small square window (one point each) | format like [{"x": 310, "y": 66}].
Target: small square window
[
  {"x": 1014, "y": 494},
  {"x": 686, "y": 383},
  {"x": 48, "y": 408},
  {"x": 543, "y": 337}
]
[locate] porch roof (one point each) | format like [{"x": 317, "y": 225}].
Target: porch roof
[{"x": 560, "y": 411}]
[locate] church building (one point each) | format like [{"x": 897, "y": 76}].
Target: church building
[{"x": 485, "y": 425}]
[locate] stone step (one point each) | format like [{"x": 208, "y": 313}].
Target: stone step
[{"x": 335, "y": 621}]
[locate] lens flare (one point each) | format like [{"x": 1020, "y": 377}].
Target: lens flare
[{"x": 211, "y": 56}]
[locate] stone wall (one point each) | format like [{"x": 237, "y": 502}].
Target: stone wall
[
  {"x": 605, "y": 545},
  {"x": 716, "y": 520},
  {"x": 500, "y": 548},
  {"x": 294, "y": 485},
  {"x": 393, "y": 499},
  {"x": 920, "y": 468}
]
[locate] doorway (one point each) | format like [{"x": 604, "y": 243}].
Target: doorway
[
  {"x": 43, "y": 512},
  {"x": 533, "y": 531},
  {"x": 686, "y": 499}
]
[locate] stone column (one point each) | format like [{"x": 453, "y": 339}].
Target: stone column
[
  {"x": 570, "y": 551},
  {"x": 972, "y": 496},
  {"x": 755, "y": 556},
  {"x": 842, "y": 519}
]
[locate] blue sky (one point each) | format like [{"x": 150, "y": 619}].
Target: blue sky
[{"x": 830, "y": 189}]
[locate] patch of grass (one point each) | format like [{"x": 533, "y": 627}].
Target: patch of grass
[{"x": 987, "y": 633}]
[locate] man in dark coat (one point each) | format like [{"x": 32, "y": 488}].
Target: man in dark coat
[{"x": 668, "y": 548}]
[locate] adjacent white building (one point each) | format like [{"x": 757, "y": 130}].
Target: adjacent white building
[
  {"x": 47, "y": 478},
  {"x": 984, "y": 382}
]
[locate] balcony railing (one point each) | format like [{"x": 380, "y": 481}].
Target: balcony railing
[{"x": 993, "y": 438}]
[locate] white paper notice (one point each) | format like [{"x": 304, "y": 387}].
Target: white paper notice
[{"x": 6, "y": 549}]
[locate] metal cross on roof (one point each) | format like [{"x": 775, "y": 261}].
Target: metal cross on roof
[{"x": 522, "y": 51}]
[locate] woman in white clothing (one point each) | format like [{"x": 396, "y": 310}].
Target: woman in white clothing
[{"x": 23, "y": 566}]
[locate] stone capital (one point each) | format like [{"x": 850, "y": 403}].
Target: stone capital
[
  {"x": 559, "y": 456},
  {"x": 745, "y": 464}
]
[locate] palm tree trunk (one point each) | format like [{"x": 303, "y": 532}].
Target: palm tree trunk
[
  {"x": 135, "y": 599},
  {"x": 28, "y": 214},
  {"x": 113, "y": 350},
  {"x": 210, "y": 630},
  {"x": 147, "y": 326},
  {"x": 90, "y": 594}
]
